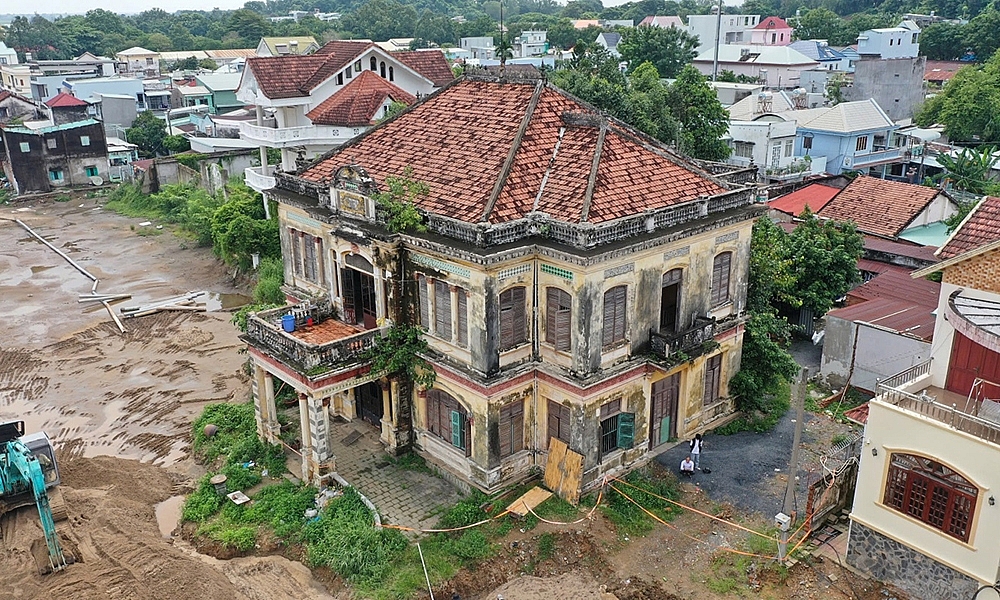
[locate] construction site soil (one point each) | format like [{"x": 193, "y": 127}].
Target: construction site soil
[{"x": 119, "y": 409}]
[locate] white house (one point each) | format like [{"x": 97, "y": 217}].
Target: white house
[
  {"x": 774, "y": 66},
  {"x": 531, "y": 43},
  {"x": 287, "y": 46},
  {"x": 609, "y": 41},
  {"x": 480, "y": 48},
  {"x": 735, "y": 29},
  {"x": 925, "y": 514},
  {"x": 8, "y": 56},
  {"x": 891, "y": 42},
  {"x": 292, "y": 88},
  {"x": 138, "y": 62}
]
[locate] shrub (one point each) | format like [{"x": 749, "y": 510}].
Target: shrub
[
  {"x": 270, "y": 277},
  {"x": 203, "y": 503},
  {"x": 240, "y": 538}
]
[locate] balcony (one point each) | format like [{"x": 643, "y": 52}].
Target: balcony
[
  {"x": 254, "y": 179},
  {"x": 684, "y": 345},
  {"x": 876, "y": 157},
  {"x": 976, "y": 318},
  {"x": 312, "y": 351},
  {"x": 284, "y": 137},
  {"x": 974, "y": 414}
]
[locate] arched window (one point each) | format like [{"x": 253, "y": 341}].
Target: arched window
[
  {"x": 448, "y": 420},
  {"x": 381, "y": 69},
  {"x": 513, "y": 318},
  {"x": 931, "y": 493},
  {"x": 720, "y": 278},
  {"x": 373, "y": 63},
  {"x": 670, "y": 300},
  {"x": 392, "y": 77},
  {"x": 558, "y": 309},
  {"x": 614, "y": 315}
]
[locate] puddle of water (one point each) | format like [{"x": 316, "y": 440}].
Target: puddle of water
[
  {"x": 40, "y": 268},
  {"x": 215, "y": 302},
  {"x": 168, "y": 514}
]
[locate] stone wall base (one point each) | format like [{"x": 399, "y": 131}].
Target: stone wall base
[{"x": 920, "y": 576}]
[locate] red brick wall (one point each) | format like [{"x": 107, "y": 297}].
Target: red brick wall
[{"x": 981, "y": 272}]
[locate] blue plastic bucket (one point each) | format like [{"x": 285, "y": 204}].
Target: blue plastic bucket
[{"x": 288, "y": 323}]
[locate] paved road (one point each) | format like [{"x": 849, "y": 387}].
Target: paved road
[{"x": 743, "y": 467}]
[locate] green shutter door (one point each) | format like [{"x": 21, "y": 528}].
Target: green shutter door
[
  {"x": 626, "y": 430},
  {"x": 457, "y": 428}
]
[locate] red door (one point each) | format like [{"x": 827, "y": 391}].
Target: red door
[{"x": 969, "y": 360}]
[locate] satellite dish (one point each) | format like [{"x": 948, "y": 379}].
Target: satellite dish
[{"x": 96, "y": 180}]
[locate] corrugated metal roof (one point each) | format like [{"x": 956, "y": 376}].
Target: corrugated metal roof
[
  {"x": 896, "y": 284},
  {"x": 907, "y": 318},
  {"x": 815, "y": 196},
  {"x": 54, "y": 128}
]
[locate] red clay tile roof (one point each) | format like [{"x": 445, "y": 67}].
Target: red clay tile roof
[
  {"x": 942, "y": 70},
  {"x": 981, "y": 227},
  {"x": 430, "y": 63},
  {"x": 814, "y": 196},
  {"x": 355, "y": 104},
  {"x": 4, "y": 94},
  {"x": 879, "y": 206},
  {"x": 901, "y": 316},
  {"x": 896, "y": 283},
  {"x": 458, "y": 140},
  {"x": 63, "y": 99},
  {"x": 858, "y": 414},
  {"x": 773, "y": 23}
]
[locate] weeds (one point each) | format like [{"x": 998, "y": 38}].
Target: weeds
[
  {"x": 775, "y": 407},
  {"x": 649, "y": 492},
  {"x": 546, "y": 546}
]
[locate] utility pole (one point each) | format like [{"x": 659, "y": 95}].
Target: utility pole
[
  {"x": 782, "y": 519},
  {"x": 718, "y": 33}
]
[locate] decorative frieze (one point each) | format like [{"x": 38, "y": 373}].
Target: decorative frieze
[
  {"x": 440, "y": 265},
  {"x": 676, "y": 253},
  {"x": 557, "y": 271},
  {"x": 513, "y": 271},
  {"x": 727, "y": 237},
  {"x": 619, "y": 270}
]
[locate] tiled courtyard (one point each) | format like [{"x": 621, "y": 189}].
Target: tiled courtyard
[{"x": 404, "y": 497}]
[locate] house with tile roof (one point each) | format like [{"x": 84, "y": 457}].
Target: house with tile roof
[
  {"x": 853, "y": 136},
  {"x": 890, "y": 209},
  {"x": 14, "y": 107},
  {"x": 287, "y": 46},
  {"x": 772, "y": 31},
  {"x": 293, "y": 87},
  {"x": 662, "y": 21},
  {"x": 777, "y": 67},
  {"x": 813, "y": 196},
  {"x": 924, "y": 516},
  {"x": 576, "y": 283},
  {"x": 138, "y": 62}
]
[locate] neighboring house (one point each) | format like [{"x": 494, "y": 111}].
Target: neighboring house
[
  {"x": 890, "y": 42},
  {"x": 68, "y": 150},
  {"x": 558, "y": 298},
  {"x": 116, "y": 111},
  {"x": 829, "y": 59},
  {"x": 890, "y": 209},
  {"x": 90, "y": 89},
  {"x": 231, "y": 55},
  {"x": 189, "y": 95},
  {"x": 121, "y": 156},
  {"x": 772, "y": 31},
  {"x": 853, "y": 136},
  {"x": 730, "y": 93},
  {"x": 609, "y": 41},
  {"x": 661, "y": 21},
  {"x": 138, "y": 62},
  {"x": 939, "y": 72},
  {"x": 897, "y": 84},
  {"x": 774, "y": 66},
  {"x": 851, "y": 55},
  {"x": 813, "y": 196},
  {"x": 16, "y": 78},
  {"x": 290, "y": 87},
  {"x": 924, "y": 516},
  {"x": 480, "y": 48},
  {"x": 8, "y": 56},
  {"x": 530, "y": 43},
  {"x": 222, "y": 89},
  {"x": 396, "y": 44},
  {"x": 17, "y": 108},
  {"x": 734, "y": 29},
  {"x": 287, "y": 46}
]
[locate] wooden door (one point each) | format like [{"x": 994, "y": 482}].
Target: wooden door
[
  {"x": 968, "y": 361},
  {"x": 368, "y": 314},
  {"x": 369, "y": 398},
  {"x": 663, "y": 410}
]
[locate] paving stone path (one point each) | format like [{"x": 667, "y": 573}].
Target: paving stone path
[{"x": 404, "y": 497}]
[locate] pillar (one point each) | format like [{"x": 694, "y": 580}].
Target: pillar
[
  {"x": 308, "y": 461},
  {"x": 265, "y": 410},
  {"x": 387, "y": 436}
]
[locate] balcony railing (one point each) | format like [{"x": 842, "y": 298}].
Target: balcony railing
[
  {"x": 282, "y": 137},
  {"x": 861, "y": 160},
  {"x": 264, "y": 332},
  {"x": 905, "y": 376},
  {"x": 688, "y": 343},
  {"x": 254, "y": 179}
]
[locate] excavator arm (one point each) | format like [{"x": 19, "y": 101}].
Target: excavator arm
[{"x": 20, "y": 471}]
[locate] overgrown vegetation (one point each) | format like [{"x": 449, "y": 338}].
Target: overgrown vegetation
[
  {"x": 398, "y": 202},
  {"x": 236, "y": 440},
  {"x": 741, "y": 574},
  {"x": 649, "y": 491},
  {"x": 398, "y": 354}
]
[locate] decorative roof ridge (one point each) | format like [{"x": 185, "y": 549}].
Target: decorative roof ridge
[{"x": 515, "y": 147}]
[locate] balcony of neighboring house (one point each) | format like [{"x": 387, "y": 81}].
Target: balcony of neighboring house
[
  {"x": 255, "y": 179},
  {"x": 285, "y": 137},
  {"x": 319, "y": 344},
  {"x": 878, "y": 156},
  {"x": 678, "y": 346}
]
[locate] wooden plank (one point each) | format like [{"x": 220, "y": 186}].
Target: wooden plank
[
  {"x": 529, "y": 499},
  {"x": 563, "y": 471}
]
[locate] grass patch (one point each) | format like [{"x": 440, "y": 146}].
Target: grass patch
[
  {"x": 628, "y": 518},
  {"x": 546, "y": 546},
  {"x": 148, "y": 232},
  {"x": 411, "y": 462},
  {"x": 63, "y": 198},
  {"x": 741, "y": 574},
  {"x": 761, "y": 421}
]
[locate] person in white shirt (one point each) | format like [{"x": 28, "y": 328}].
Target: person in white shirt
[
  {"x": 687, "y": 467},
  {"x": 696, "y": 446}
]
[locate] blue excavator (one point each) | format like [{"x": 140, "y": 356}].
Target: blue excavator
[{"x": 28, "y": 473}]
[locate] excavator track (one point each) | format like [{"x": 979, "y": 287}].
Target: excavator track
[{"x": 60, "y": 510}]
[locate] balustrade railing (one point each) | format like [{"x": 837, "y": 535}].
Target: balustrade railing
[{"x": 690, "y": 342}]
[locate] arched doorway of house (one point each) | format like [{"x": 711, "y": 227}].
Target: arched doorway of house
[
  {"x": 369, "y": 403},
  {"x": 358, "y": 287}
]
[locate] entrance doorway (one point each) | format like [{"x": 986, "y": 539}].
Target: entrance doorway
[
  {"x": 670, "y": 299},
  {"x": 369, "y": 403},
  {"x": 359, "y": 298},
  {"x": 663, "y": 412}
]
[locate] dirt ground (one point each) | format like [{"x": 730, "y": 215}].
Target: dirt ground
[{"x": 119, "y": 408}]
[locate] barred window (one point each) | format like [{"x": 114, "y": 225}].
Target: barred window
[{"x": 932, "y": 493}]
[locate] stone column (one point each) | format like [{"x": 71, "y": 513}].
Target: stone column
[
  {"x": 319, "y": 428},
  {"x": 259, "y": 403},
  {"x": 387, "y": 436},
  {"x": 272, "y": 427},
  {"x": 308, "y": 462}
]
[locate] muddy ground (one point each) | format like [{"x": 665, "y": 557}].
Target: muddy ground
[{"x": 119, "y": 408}]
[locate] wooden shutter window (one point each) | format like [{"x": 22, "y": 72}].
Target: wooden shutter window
[
  {"x": 558, "y": 308},
  {"x": 463, "y": 318},
  {"x": 422, "y": 295},
  {"x": 511, "y": 428},
  {"x": 720, "y": 278},
  {"x": 293, "y": 235},
  {"x": 513, "y": 318},
  {"x": 558, "y": 421},
  {"x": 713, "y": 379},
  {"x": 614, "y": 315},
  {"x": 442, "y": 309},
  {"x": 448, "y": 420}
]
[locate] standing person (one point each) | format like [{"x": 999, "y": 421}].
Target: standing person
[{"x": 696, "y": 446}]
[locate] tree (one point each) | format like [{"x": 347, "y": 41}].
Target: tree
[
  {"x": 824, "y": 261},
  {"x": 942, "y": 41},
  {"x": 398, "y": 202},
  {"x": 970, "y": 170},
  {"x": 174, "y": 144},
  {"x": 381, "y": 20},
  {"x": 668, "y": 48},
  {"x": 147, "y": 132},
  {"x": 703, "y": 119},
  {"x": 980, "y": 34},
  {"x": 820, "y": 24},
  {"x": 968, "y": 104},
  {"x": 158, "y": 42},
  {"x": 249, "y": 25}
]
